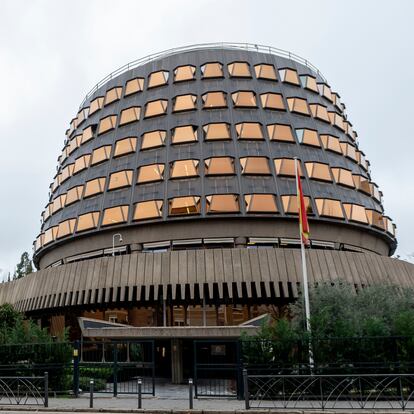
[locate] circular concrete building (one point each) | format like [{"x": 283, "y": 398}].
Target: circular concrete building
[{"x": 174, "y": 202}]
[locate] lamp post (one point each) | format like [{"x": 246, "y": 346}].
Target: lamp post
[{"x": 113, "y": 241}]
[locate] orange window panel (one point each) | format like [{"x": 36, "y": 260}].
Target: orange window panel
[
  {"x": 265, "y": 71},
  {"x": 184, "y": 134},
  {"x": 50, "y": 235},
  {"x": 289, "y": 76},
  {"x": 255, "y": 165},
  {"x": 318, "y": 171},
  {"x": 219, "y": 166},
  {"x": 66, "y": 228},
  {"x": 145, "y": 210},
  {"x": 74, "y": 194},
  {"x": 249, "y": 130},
  {"x": 114, "y": 94},
  {"x": 180, "y": 206},
  {"x": 260, "y": 203},
  {"x": 222, "y": 203},
  {"x": 134, "y": 86},
  {"x": 331, "y": 143},
  {"x": 184, "y": 169},
  {"x": 343, "y": 177},
  {"x": 153, "y": 139},
  {"x": 101, "y": 154},
  {"x": 87, "y": 221},
  {"x": 280, "y": 132},
  {"x": 212, "y": 70},
  {"x": 244, "y": 99},
  {"x": 309, "y": 82},
  {"x": 239, "y": 70},
  {"x": 329, "y": 208},
  {"x": 58, "y": 203},
  {"x": 156, "y": 108},
  {"x": 107, "y": 124},
  {"x": 120, "y": 179},
  {"x": 96, "y": 105},
  {"x": 320, "y": 112},
  {"x": 355, "y": 212},
  {"x": 308, "y": 137},
  {"x": 125, "y": 146},
  {"x": 115, "y": 215},
  {"x": 286, "y": 167},
  {"x": 94, "y": 187},
  {"x": 216, "y": 131},
  {"x": 150, "y": 173},
  {"x": 185, "y": 103},
  {"x": 87, "y": 135},
  {"x": 213, "y": 100},
  {"x": 130, "y": 115},
  {"x": 290, "y": 204},
  {"x": 81, "y": 163},
  {"x": 272, "y": 101},
  {"x": 184, "y": 73},
  {"x": 158, "y": 78},
  {"x": 298, "y": 106}
]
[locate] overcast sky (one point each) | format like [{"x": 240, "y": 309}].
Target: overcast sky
[{"x": 53, "y": 52}]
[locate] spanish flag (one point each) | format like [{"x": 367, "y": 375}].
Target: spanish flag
[{"x": 303, "y": 217}]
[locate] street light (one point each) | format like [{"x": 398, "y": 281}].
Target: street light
[{"x": 113, "y": 242}]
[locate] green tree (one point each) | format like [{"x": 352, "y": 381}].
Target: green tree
[{"x": 24, "y": 267}]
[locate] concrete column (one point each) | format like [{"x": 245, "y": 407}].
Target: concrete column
[{"x": 176, "y": 361}]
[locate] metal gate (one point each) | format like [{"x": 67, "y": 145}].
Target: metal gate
[
  {"x": 115, "y": 366},
  {"x": 217, "y": 368}
]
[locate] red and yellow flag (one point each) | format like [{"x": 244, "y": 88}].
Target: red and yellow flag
[{"x": 303, "y": 217}]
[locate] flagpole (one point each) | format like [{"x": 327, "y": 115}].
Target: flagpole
[{"x": 304, "y": 270}]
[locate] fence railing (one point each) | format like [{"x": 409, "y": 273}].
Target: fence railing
[
  {"x": 190, "y": 48},
  {"x": 376, "y": 391},
  {"x": 24, "y": 390}
]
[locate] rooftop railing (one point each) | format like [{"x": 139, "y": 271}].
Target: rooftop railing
[{"x": 224, "y": 45}]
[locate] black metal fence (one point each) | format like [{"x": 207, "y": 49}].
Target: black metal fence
[
  {"x": 370, "y": 391},
  {"x": 24, "y": 390}
]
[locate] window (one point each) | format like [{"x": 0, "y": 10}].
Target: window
[
  {"x": 244, "y": 99},
  {"x": 184, "y": 73},
  {"x": 184, "y": 103},
  {"x": 133, "y": 86},
  {"x": 184, "y": 169},
  {"x": 219, "y": 166},
  {"x": 325, "y": 91},
  {"x": 96, "y": 105},
  {"x": 280, "y": 132},
  {"x": 318, "y": 171},
  {"x": 87, "y": 135},
  {"x": 156, "y": 108},
  {"x": 82, "y": 115},
  {"x": 249, "y": 130},
  {"x": 216, "y": 131},
  {"x": 130, "y": 115},
  {"x": 349, "y": 151},
  {"x": 222, "y": 203},
  {"x": 125, "y": 146},
  {"x": 265, "y": 71},
  {"x": 74, "y": 143},
  {"x": 260, "y": 203},
  {"x": 375, "y": 192},
  {"x": 239, "y": 70},
  {"x": 150, "y": 173},
  {"x": 101, "y": 154},
  {"x": 213, "y": 100},
  {"x": 67, "y": 172},
  {"x": 94, "y": 187},
  {"x": 120, "y": 179},
  {"x": 81, "y": 163},
  {"x": 181, "y": 206},
  {"x": 50, "y": 235},
  {"x": 107, "y": 124},
  {"x": 308, "y": 137},
  {"x": 212, "y": 70},
  {"x": 362, "y": 183},
  {"x": 255, "y": 165},
  {"x": 320, "y": 112},
  {"x": 74, "y": 194},
  {"x": 290, "y": 204},
  {"x": 58, "y": 203},
  {"x": 309, "y": 82},
  {"x": 329, "y": 208},
  {"x": 331, "y": 143},
  {"x": 48, "y": 211},
  {"x": 153, "y": 139},
  {"x": 343, "y": 177},
  {"x": 375, "y": 218},
  {"x": 88, "y": 221},
  {"x": 158, "y": 79},
  {"x": 337, "y": 120},
  {"x": 115, "y": 215},
  {"x": 298, "y": 105},
  {"x": 39, "y": 241},
  {"x": 113, "y": 95},
  {"x": 148, "y": 209},
  {"x": 355, "y": 212},
  {"x": 286, "y": 166},
  {"x": 289, "y": 76},
  {"x": 66, "y": 228},
  {"x": 362, "y": 160},
  {"x": 272, "y": 101},
  {"x": 182, "y": 134},
  {"x": 336, "y": 99}
]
